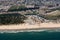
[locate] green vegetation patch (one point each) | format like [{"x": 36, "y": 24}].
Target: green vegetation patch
[
  {"x": 33, "y": 13},
  {"x": 50, "y": 17},
  {"x": 12, "y": 18},
  {"x": 16, "y": 8}
]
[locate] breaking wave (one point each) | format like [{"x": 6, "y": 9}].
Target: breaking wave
[{"x": 42, "y": 30}]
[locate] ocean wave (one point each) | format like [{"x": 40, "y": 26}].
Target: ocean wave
[
  {"x": 55, "y": 30},
  {"x": 21, "y": 31},
  {"x": 43, "y": 30}
]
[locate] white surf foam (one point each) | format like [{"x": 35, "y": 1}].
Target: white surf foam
[{"x": 47, "y": 30}]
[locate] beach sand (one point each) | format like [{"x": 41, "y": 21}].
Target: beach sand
[{"x": 28, "y": 26}]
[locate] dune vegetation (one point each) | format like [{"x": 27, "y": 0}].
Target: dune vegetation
[
  {"x": 16, "y": 8},
  {"x": 12, "y": 18}
]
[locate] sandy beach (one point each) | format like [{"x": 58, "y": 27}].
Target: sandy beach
[{"x": 28, "y": 26}]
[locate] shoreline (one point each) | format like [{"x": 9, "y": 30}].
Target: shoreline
[{"x": 30, "y": 27}]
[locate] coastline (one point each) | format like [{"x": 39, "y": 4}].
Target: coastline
[{"x": 28, "y": 26}]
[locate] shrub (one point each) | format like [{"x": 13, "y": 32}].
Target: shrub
[{"x": 12, "y": 18}]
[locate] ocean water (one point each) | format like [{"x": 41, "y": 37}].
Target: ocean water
[{"x": 31, "y": 35}]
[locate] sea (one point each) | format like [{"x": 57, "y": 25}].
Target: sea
[{"x": 30, "y": 35}]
